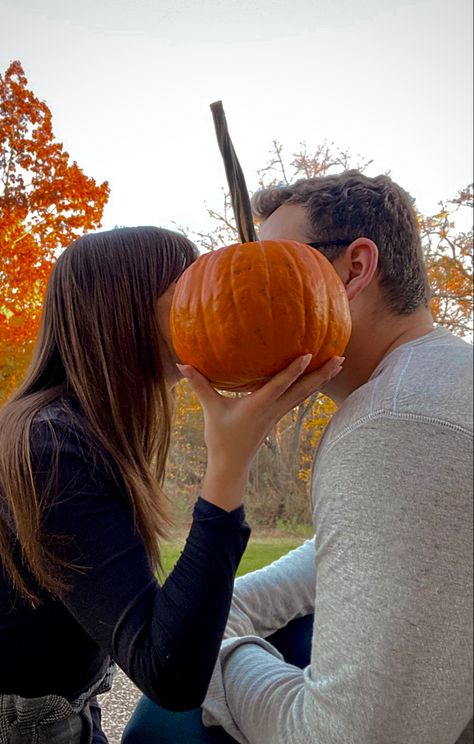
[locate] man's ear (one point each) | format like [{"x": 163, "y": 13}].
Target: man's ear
[{"x": 357, "y": 266}]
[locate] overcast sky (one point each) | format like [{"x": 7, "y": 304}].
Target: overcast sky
[{"x": 129, "y": 85}]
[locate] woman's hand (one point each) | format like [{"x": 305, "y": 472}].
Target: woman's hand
[{"x": 234, "y": 428}]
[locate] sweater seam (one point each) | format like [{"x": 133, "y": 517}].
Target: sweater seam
[
  {"x": 384, "y": 413},
  {"x": 400, "y": 380}
]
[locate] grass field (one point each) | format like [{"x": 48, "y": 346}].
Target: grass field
[{"x": 260, "y": 552}]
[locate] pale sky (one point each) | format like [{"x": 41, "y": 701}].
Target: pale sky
[{"x": 129, "y": 85}]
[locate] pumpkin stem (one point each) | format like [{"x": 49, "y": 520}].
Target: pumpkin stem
[{"x": 235, "y": 177}]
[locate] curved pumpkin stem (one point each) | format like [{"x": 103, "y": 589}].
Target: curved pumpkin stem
[{"x": 235, "y": 177}]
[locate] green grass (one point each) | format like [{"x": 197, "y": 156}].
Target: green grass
[{"x": 260, "y": 552}]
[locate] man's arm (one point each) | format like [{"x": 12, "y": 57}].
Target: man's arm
[
  {"x": 392, "y": 645},
  {"x": 267, "y": 599}
]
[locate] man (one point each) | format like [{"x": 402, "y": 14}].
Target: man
[{"x": 388, "y": 576}]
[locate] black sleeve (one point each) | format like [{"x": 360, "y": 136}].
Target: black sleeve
[{"x": 167, "y": 638}]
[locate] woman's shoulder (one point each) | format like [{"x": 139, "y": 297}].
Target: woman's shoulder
[
  {"x": 59, "y": 430},
  {"x": 59, "y": 422},
  {"x": 63, "y": 411}
]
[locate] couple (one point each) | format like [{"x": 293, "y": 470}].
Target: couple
[{"x": 362, "y": 636}]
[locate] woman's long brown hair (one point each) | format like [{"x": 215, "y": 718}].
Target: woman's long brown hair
[{"x": 100, "y": 346}]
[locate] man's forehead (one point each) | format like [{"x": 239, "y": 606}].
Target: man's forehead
[{"x": 289, "y": 221}]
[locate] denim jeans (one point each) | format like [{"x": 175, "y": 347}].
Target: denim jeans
[
  {"x": 151, "y": 724},
  {"x": 53, "y": 719}
]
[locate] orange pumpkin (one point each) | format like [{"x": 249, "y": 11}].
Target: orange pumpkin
[{"x": 244, "y": 312}]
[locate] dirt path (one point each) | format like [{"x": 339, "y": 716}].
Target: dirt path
[{"x": 117, "y": 706}]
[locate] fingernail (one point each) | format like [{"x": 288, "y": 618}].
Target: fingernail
[
  {"x": 335, "y": 371},
  {"x": 306, "y": 360},
  {"x": 183, "y": 369}
]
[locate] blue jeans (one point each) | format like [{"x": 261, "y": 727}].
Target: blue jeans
[{"x": 151, "y": 724}]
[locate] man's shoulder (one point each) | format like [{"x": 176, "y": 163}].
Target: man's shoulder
[{"x": 429, "y": 379}]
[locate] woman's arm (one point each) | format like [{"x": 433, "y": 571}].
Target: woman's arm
[
  {"x": 166, "y": 638},
  {"x": 234, "y": 428}
]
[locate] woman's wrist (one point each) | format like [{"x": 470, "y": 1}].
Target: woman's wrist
[{"x": 224, "y": 485}]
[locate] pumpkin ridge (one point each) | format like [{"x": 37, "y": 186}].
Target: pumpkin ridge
[
  {"x": 269, "y": 294},
  {"x": 306, "y": 306},
  {"x": 326, "y": 328},
  {"x": 299, "y": 274},
  {"x": 328, "y": 334},
  {"x": 211, "y": 277},
  {"x": 202, "y": 310},
  {"x": 337, "y": 336},
  {"x": 289, "y": 263},
  {"x": 234, "y": 256},
  {"x": 239, "y": 316},
  {"x": 313, "y": 299}
]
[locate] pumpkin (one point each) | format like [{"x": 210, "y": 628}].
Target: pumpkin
[{"x": 244, "y": 312}]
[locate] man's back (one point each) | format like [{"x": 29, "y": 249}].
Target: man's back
[
  {"x": 393, "y": 515},
  {"x": 430, "y": 377},
  {"x": 389, "y": 575}
]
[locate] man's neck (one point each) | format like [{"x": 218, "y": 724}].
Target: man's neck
[{"x": 366, "y": 349}]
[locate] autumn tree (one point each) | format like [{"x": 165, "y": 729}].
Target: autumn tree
[
  {"x": 449, "y": 258},
  {"x": 282, "y": 468},
  {"x": 45, "y": 202}
]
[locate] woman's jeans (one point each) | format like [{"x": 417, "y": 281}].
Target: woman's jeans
[
  {"x": 151, "y": 724},
  {"x": 52, "y": 719}
]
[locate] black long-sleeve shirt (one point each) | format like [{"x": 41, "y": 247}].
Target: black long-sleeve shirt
[{"x": 166, "y": 639}]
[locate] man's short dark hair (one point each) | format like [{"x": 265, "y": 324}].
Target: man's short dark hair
[{"x": 350, "y": 205}]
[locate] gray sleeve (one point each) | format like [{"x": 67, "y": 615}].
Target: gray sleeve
[
  {"x": 267, "y": 599},
  {"x": 392, "y": 647}
]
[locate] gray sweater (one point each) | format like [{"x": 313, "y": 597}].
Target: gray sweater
[{"x": 388, "y": 576}]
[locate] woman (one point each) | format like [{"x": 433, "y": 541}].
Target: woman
[{"x": 83, "y": 446}]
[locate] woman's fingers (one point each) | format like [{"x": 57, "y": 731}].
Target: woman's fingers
[
  {"x": 278, "y": 385},
  {"x": 235, "y": 427},
  {"x": 201, "y": 386},
  {"x": 311, "y": 383},
  {"x": 287, "y": 385},
  {"x": 283, "y": 392}
]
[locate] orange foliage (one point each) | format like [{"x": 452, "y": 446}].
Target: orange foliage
[
  {"x": 45, "y": 202},
  {"x": 449, "y": 259}
]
